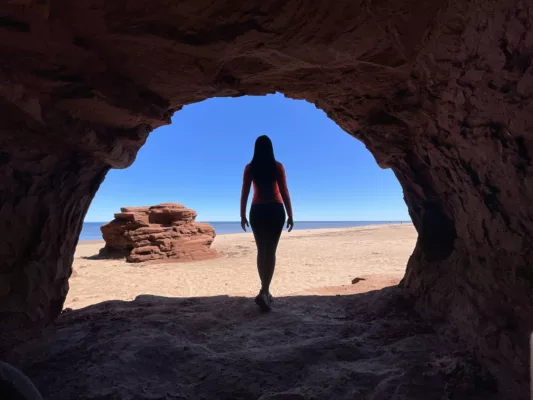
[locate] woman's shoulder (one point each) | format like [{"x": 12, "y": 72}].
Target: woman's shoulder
[
  {"x": 247, "y": 172},
  {"x": 279, "y": 166}
]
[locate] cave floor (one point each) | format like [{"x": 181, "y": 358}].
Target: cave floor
[{"x": 367, "y": 346}]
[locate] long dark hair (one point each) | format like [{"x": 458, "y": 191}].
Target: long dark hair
[{"x": 263, "y": 163}]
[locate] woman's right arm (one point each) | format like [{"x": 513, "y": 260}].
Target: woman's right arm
[{"x": 284, "y": 191}]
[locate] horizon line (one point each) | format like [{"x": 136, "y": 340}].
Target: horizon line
[{"x": 315, "y": 220}]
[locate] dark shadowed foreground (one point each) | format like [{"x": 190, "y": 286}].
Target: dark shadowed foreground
[{"x": 364, "y": 346}]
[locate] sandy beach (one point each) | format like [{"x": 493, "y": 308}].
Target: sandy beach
[
  {"x": 308, "y": 262},
  {"x": 191, "y": 331}
]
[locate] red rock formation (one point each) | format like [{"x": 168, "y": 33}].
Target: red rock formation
[
  {"x": 440, "y": 92},
  {"x": 166, "y": 232}
]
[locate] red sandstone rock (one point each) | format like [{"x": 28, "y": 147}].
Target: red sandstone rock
[{"x": 166, "y": 232}]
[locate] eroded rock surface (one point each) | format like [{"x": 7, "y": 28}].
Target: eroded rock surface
[
  {"x": 165, "y": 232},
  {"x": 440, "y": 92},
  {"x": 367, "y": 346}
]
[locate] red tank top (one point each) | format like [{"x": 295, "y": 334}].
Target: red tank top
[{"x": 278, "y": 194}]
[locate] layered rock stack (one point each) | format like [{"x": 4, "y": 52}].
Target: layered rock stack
[{"x": 166, "y": 231}]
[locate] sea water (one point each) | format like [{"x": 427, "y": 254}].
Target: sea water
[{"x": 91, "y": 230}]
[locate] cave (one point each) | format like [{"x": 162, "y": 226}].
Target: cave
[{"x": 438, "y": 92}]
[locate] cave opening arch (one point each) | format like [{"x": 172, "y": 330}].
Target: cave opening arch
[
  {"x": 440, "y": 93},
  {"x": 198, "y": 161}
]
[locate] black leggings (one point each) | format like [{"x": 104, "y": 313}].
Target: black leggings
[{"x": 267, "y": 223}]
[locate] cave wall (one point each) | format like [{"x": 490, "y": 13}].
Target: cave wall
[
  {"x": 469, "y": 183},
  {"x": 45, "y": 190},
  {"x": 440, "y": 93}
]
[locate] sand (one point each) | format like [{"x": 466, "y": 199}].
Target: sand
[
  {"x": 364, "y": 346},
  {"x": 191, "y": 331},
  {"x": 308, "y": 261}
]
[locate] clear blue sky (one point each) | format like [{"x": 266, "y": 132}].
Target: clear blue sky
[{"x": 198, "y": 160}]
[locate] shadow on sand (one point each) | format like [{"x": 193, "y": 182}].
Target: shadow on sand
[{"x": 364, "y": 346}]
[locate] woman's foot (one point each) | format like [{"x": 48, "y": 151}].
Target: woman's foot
[{"x": 263, "y": 301}]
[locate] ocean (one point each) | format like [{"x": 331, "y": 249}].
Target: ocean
[{"x": 91, "y": 230}]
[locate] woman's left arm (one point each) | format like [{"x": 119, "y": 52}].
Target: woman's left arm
[{"x": 245, "y": 192}]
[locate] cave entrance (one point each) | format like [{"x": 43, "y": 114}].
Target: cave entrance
[
  {"x": 440, "y": 92},
  {"x": 198, "y": 160}
]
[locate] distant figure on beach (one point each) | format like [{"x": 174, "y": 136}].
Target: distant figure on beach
[{"x": 267, "y": 214}]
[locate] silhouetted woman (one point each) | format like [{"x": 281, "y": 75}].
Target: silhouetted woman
[{"x": 267, "y": 215}]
